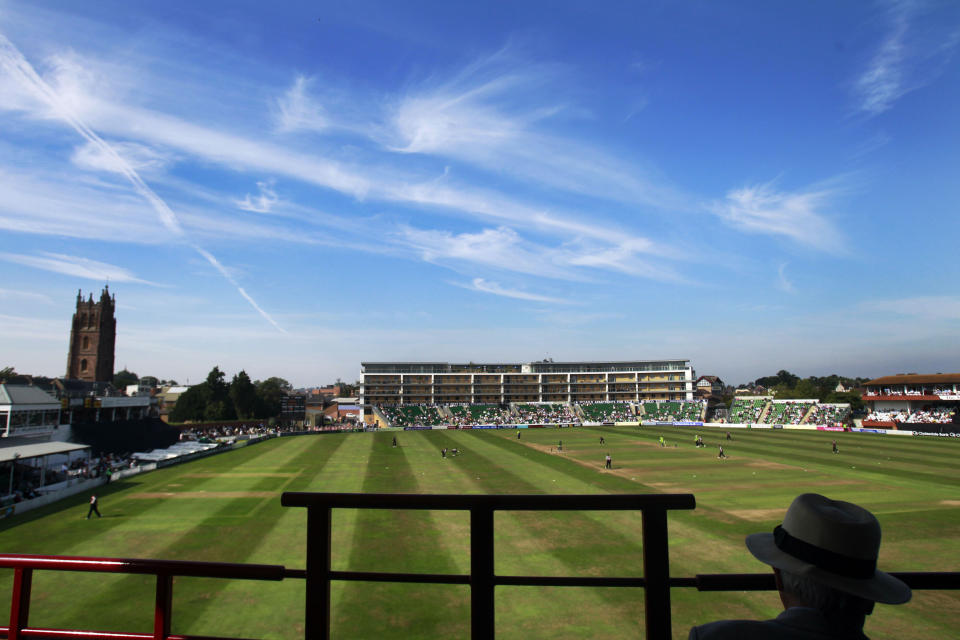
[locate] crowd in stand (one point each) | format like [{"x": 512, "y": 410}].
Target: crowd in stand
[
  {"x": 216, "y": 431},
  {"x": 608, "y": 412},
  {"x": 673, "y": 411},
  {"x": 27, "y": 478},
  {"x": 787, "y": 412},
  {"x": 929, "y": 415},
  {"x": 546, "y": 414},
  {"x": 933, "y": 415},
  {"x": 747, "y": 411},
  {"x": 829, "y": 414},
  {"x": 464, "y": 415},
  {"x": 413, "y": 415}
]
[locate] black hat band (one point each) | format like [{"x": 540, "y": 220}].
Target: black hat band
[{"x": 823, "y": 558}]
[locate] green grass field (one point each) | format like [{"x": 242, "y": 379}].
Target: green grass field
[{"x": 227, "y": 508}]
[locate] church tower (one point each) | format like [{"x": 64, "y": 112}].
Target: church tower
[{"x": 92, "y": 339}]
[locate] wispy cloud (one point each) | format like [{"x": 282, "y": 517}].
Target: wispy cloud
[
  {"x": 783, "y": 283},
  {"x": 296, "y": 110},
  {"x": 493, "y": 115},
  {"x": 910, "y": 56},
  {"x": 76, "y": 267},
  {"x": 479, "y": 284},
  {"x": 13, "y": 294},
  {"x": 800, "y": 216},
  {"x": 23, "y": 72},
  {"x": 261, "y": 203},
  {"x": 139, "y": 157}
]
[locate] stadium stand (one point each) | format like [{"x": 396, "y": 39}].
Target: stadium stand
[
  {"x": 673, "y": 411},
  {"x": 546, "y": 414},
  {"x": 788, "y": 411},
  {"x": 413, "y": 416},
  {"x": 828, "y": 414},
  {"x": 747, "y": 410},
  {"x": 480, "y": 414},
  {"x": 932, "y": 415},
  {"x": 608, "y": 412}
]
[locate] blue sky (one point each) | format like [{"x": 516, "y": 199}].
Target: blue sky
[{"x": 292, "y": 188}]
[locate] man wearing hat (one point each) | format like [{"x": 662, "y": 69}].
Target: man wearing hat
[{"x": 824, "y": 558}]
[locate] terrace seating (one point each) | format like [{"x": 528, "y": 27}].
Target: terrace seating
[
  {"x": 828, "y": 414},
  {"x": 673, "y": 411},
  {"x": 413, "y": 416},
  {"x": 546, "y": 414},
  {"x": 887, "y": 416},
  {"x": 747, "y": 410},
  {"x": 787, "y": 412},
  {"x": 932, "y": 415},
  {"x": 467, "y": 415},
  {"x": 608, "y": 412}
]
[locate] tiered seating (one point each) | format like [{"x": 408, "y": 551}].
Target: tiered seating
[
  {"x": 413, "y": 416},
  {"x": 481, "y": 414},
  {"x": 745, "y": 410},
  {"x": 546, "y": 414},
  {"x": 787, "y": 412},
  {"x": 673, "y": 411},
  {"x": 829, "y": 414},
  {"x": 608, "y": 412},
  {"x": 932, "y": 415}
]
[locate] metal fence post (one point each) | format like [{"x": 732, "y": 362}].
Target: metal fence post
[
  {"x": 656, "y": 572},
  {"x": 317, "y": 622},
  {"x": 20, "y": 605},
  {"x": 164, "y": 607},
  {"x": 482, "y": 620}
]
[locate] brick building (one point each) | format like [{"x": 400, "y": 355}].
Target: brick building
[{"x": 93, "y": 336}]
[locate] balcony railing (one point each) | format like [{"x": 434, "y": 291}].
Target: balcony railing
[{"x": 482, "y": 580}]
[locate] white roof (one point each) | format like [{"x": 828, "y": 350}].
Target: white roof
[{"x": 36, "y": 450}]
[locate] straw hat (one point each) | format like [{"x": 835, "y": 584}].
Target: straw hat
[{"x": 833, "y": 542}]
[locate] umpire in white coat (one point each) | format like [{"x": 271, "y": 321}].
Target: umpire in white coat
[{"x": 824, "y": 557}]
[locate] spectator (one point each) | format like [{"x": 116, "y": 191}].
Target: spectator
[{"x": 824, "y": 559}]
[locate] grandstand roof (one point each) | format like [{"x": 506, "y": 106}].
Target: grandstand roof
[
  {"x": 915, "y": 378},
  {"x": 14, "y": 394},
  {"x": 37, "y": 450}
]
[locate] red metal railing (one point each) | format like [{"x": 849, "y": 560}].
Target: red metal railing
[
  {"x": 24, "y": 565},
  {"x": 482, "y": 580}
]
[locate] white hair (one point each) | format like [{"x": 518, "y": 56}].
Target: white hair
[{"x": 842, "y": 608}]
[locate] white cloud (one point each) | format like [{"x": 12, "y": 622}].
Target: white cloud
[
  {"x": 297, "y": 111},
  {"x": 261, "y": 203},
  {"x": 139, "y": 157},
  {"x": 76, "y": 267},
  {"x": 492, "y": 114},
  {"x": 479, "y": 284},
  {"x": 799, "y": 216},
  {"x": 910, "y": 56},
  {"x": 783, "y": 283}
]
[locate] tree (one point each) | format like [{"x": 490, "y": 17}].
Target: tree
[
  {"x": 269, "y": 392},
  {"x": 243, "y": 395},
  {"x": 123, "y": 378},
  {"x": 192, "y": 404},
  {"x": 7, "y": 373}
]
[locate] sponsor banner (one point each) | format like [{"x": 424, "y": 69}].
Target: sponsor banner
[
  {"x": 626, "y": 424},
  {"x": 536, "y": 426},
  {"x": 687, "y": 423},
  {"x": 869, "y": 430},
  {"x": 439, "y": 426},
  {"x": 759, "y": 426},
  {"x": 451, "y": 426},
  {"x": 466, "y": 426},
  {"x": 936, "y": 435},
  {"x": 484, "y": 426},
  {"x": 949, "y": 396},
  {"x": 776, "y": 426},
  {"x": 417, "y": 428},
  {"x": 802, "y": 427},
  {"x": 822, "y": 428},
  {"x": 520, "y": 426}
]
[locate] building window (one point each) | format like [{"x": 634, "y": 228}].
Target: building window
[
  {"x": 86, "y": 343},
  {"x": 83, "y": 365}
]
